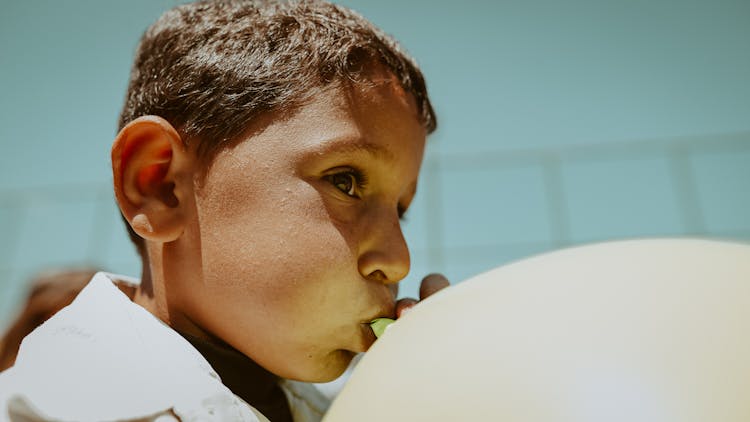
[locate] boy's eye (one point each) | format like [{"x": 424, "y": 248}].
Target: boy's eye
[{"x": 346, "y": 182}]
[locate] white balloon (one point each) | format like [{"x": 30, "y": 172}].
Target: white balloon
[{"x": 644, "y": 330}]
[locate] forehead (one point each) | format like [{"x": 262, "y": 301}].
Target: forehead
[
  {"x": 378, "y": 123},
  {"x": 377, "y": 114},
  {"x": 374, "y": 129}
]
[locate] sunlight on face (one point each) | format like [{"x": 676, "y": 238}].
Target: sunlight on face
[{"x": 299, "y": 234}]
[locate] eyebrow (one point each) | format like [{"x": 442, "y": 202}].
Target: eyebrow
[{"x": 354, "y": 145}]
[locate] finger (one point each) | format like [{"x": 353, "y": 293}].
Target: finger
[
  {"x": 432, "y": 284},
  {"x": 404, "y": 305}
]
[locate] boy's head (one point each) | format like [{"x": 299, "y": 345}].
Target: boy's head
[
  {"x": 266, "y": 153},
  {"x": 212, "y": 67}
]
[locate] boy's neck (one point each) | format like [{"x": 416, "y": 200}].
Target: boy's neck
[
  {"x": 239, "y": 373},
  {"x": 151, "y": 294}
]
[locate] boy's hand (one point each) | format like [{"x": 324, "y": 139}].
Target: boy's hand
[{"x": 430, "y": 285}]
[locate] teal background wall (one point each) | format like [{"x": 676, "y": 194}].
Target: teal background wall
[{"x": 561, "y": 123}]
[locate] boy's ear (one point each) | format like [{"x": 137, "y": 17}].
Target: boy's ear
[{"x": 149, "y": 167}]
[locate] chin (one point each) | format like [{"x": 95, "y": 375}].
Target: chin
[{"x": 326, "y": 369}]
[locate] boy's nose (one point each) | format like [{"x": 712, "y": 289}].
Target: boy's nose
[{"x": 385, "y": 255}]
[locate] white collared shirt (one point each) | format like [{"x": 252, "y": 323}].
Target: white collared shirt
[{"x": 105, "y": 358}]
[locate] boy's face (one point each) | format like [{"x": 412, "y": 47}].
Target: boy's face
[{"x": 296, "y": 234}]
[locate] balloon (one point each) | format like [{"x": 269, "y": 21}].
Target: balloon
[
  {"x": 641, "y": 330},
  {"x": 379, "y": 325}
]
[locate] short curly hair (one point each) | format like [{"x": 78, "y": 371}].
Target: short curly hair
[{"x": 211, "y": 67}]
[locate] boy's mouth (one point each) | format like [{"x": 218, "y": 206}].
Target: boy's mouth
[
  {"x": 368, "y": 337},
  {"x": 381, "y": 317},
  {"x": 371, "y": 331},
  {"x": 379, "y": 325}
]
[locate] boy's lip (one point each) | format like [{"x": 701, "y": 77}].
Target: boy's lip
[
  {"x": 368, "y": 337},
  {"x": 384, "y": 310},
  {"x": 367, "y": 321}
]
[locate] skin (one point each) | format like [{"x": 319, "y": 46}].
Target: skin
[{"x": 278, "y": 247}]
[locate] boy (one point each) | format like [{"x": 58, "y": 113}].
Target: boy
[{"x": 266, "y": 153}]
